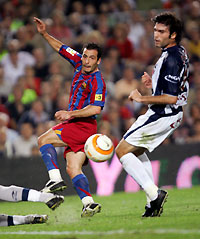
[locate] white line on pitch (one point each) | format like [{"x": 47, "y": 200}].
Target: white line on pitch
[{"x": 158, "y": 231}]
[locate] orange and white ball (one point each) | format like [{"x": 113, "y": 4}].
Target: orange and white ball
[{"x": 99, "y": 148}]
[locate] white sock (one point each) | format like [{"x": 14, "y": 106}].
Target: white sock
[
  {"x": 18, "y": 219},
  {"x": 4, "y": 220},
  {"x": 55, "y": 175},
  {"x": 147, "y": 164},
  {"x": 44, "y": 197},
  {"x": 148, "y": 167},
  {"x": 135, "y": 168},
  {"x": 33, "y": 195},
  {"x": 11, "y": 193},
  {"x": 87, "y": 200},
  {"x": 36, "y": 196}
]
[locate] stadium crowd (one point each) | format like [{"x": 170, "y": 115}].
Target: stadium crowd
[{"x": 35, "y": 81}]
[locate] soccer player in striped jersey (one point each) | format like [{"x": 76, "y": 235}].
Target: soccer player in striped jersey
[
  {"x": 169, "y": 84},
  {"x": 87, "y": 98}
]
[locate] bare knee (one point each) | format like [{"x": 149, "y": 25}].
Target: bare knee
[
  {"x": 42, "y": 140},
  {"x": 123, "y": 148},
  {"x": 48, "y": 137},
  {"x": 119, "y": 151}
]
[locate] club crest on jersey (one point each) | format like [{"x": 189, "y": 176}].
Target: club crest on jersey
[
  {"x": 71, "y": 51},
  {"x": 98, "y": 97},
  {"x": 83, "y": 85}
]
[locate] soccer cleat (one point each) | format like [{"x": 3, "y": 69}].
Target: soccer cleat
[
  {"x": 91, "y": 209},
  {"x": 158, "y": 203},
  {"x": 52, "y": 186},
  {"x": 35, "y": 219},
  {"x": 148, "y": 212},
  {"x": 55, "y": 201}
]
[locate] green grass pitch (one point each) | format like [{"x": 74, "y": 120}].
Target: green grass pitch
[{"x": 120, "y": 218}]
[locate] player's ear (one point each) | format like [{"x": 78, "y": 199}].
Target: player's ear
[
  {"x": 99, "y": 61},
  {"x": 173, "y": 35}
]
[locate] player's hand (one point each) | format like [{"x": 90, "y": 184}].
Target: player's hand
[
  {"x": 146, "y": 80},
  {"x": 63, "y": 115},
  {"x": 135, "y": 95},
  {"x": 41, "y": 26}
]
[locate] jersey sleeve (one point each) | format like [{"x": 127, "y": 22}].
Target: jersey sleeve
[
  {"x": 170, "y": 74},
  {"x": 98, "y": 91},
  {"x": 71, "y": 55}
]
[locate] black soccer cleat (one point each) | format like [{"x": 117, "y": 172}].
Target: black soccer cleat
[
  {"x": 91, "y": 209},
  {"x": 55, "y": 201},
  {"x": 148, "y": 212},
  {"x": 52, "y": 186},
  {"x": 158, "y": 203}
]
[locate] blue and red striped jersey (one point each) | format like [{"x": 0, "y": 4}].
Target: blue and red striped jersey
[{"x": 86, "y": 89}]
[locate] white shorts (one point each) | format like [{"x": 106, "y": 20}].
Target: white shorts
[{"x": 151, "y": 129}]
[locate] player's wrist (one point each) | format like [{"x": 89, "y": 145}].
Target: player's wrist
[
  {"x": 44, "y": 34},
  {"x": 71, "y": 114},
  {"x": 140, "y": 99}
]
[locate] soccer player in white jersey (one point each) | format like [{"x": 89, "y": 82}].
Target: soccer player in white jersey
[
  {"x": 169, "y": 93},
  {"x": 15, "y": 194}
]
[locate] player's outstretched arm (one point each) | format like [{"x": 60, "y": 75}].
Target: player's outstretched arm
[{"x": 41, "y": 27}]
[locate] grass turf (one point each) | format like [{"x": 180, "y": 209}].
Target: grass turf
[{"x": 120, "y": 218}]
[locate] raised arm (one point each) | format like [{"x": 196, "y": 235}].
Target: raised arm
[{"x": 41, "y": 27}]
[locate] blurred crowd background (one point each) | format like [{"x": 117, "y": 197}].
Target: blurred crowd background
[{"x": 35, "y": 81}]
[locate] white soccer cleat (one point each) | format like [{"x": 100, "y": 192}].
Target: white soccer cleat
[
  {"x": 52, "y": 186},
  {"x": 91, "y": 209}
]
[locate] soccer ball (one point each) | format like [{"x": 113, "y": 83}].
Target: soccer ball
[{"x": 99, "y": 148}]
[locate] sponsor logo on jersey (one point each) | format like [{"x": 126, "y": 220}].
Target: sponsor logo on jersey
[
  {"x": 172, "y": 79},
  {"x": 71, "y": 51},
  {"x": 98, "y": 97}
]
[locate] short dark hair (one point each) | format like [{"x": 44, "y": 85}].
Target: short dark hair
[
  {"x": 94, "y": 46},
  {"x": 169, "y": 19}
]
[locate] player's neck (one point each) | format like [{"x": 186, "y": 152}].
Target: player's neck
[
  {"x": 91, "y": 72},
  {"x": 170, "y": 45}
]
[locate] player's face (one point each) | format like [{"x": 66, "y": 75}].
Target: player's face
[
  {"x": 89, "y": 61},
  {"x": 162, "y": 36}
]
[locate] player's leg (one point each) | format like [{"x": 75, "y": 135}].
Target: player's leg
[
  {"x": 80, "y": 183},
  {"x": 135, "y": 168},
  {"x": 47, "y": 143},
  {"x": 12, "y": 193},
  {"x": 15, "y": 194},
  {"x": 162, "y": 194},
  {"x": 7, "y": 220},
  {"x": 148, "y": 167}
]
